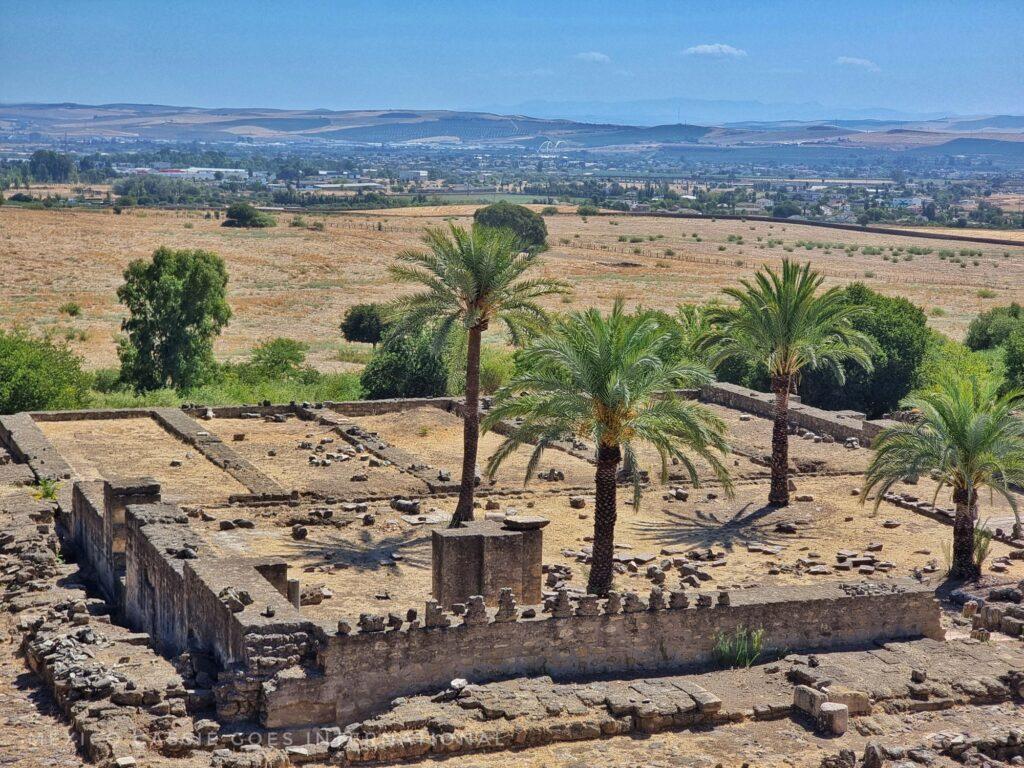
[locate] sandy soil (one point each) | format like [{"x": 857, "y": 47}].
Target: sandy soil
[
  {"x": 436, "y": 436},
  {"x": 140, "y": 447},
  {"x": 290, "y": 281},
  {"x": 290, "y": 466},
  {"x": 356, "y": 561}
]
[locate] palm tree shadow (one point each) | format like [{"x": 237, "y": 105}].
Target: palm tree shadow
[
  {"x": 366, "y": 553},
  {"x": 709, "y": 528}
]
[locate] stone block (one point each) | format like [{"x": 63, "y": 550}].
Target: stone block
[
  {"x": 484, "y": 557},
  {"x": 834, "y": 718},
  {"x": 809, "y": 700}
]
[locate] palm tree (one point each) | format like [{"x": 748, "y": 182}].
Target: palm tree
[
  {"x": 471, "y": 278},
  {"x": 608, "y": 379},
  {"x": 781, "y": 319},
  {"x": 968, "y": 437}
]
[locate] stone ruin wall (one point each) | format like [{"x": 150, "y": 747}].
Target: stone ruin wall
[
  {"x": 285, "y": 671},
  {"x": 357, "y": 675}
]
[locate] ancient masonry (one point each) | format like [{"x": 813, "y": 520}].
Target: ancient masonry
[{"x": 279, "y": 669}]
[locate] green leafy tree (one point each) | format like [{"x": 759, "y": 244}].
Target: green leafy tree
[
  {"x": 176, "y": 306},
  {"x": 245, "y": 215},
  {"x": 992, "y": 328},
  {"x": 608, "y": 379},
  {"x": 781, "y": 319},
  {"x": 1014, "y": 360},
  {"x": 405, "y": 365},
  {"x": 471, "y": 278},
  {"x": 528, "y": 227},
  {"x": 900, "y": 333},
  {"x": 364, "y": 322},
  {"x": 786, "y": 208},
  {"x": 969, "y": 438},
  {"x": 47, "y": 165},
  {"x": 38, "y": 375}
]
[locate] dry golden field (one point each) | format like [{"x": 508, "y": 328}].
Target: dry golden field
[{"x": 291, "y": 281}]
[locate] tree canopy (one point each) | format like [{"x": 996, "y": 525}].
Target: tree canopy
[
  {"x": 527, "y": 226},
  {"x": 176, "y": 306},
  {"x": 364, "y": 322},
  {"x": 38, "y": 375},
  {"x": 899, "y": 330}
]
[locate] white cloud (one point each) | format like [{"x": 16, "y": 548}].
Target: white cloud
[
  {"x": 854, "y": 61},
  {"x": 714, "y": 49},
  {"x": 594, "y": 57}
]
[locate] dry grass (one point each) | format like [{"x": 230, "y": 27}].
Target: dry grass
[{"x": 289, "y": 281}]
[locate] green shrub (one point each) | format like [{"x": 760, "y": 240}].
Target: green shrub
[
  {"x": 900, "y": 331},
  {"x": 405, "y": 366},
  {"x": 71, "y": 308},
  {"x": 992, "y": 328},
  {"x": 245, "y": 215},
  {"x": 38, "y": 375},
  {"x": 1014, "y": 359},
  {"x": 528, "y": 226},
  {"x": 276, "y": 360},
  {"x": 740, "y": 649},
  {"x": 588, "y": 210},
  {"x": 496, "y": 368},
  {"x": 549, "y": 210}
]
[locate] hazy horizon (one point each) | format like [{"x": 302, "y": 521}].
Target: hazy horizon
[{"x": 748, "y": 61}]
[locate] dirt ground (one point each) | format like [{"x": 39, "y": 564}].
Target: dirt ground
[
  {"x": 139, "y": 447},
  {"x": 385, "y": 566},
  {"x": 436, "y": 437},
  {"x": 294, "y": 282},
  {"x": 290, "y": 465}
]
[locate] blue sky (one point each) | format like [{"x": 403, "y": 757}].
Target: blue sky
[{"x": 915, "y": 56}]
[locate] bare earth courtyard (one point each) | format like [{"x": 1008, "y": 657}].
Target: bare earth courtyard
[{"x": 342, "y": 502}]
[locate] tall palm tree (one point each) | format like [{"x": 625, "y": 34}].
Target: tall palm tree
[
  {"x": 968, "y": 437},
  {"x": 608, "y": 379},
  {"x": 780, "y": 318},
  {"x": 470, "y": 279}
]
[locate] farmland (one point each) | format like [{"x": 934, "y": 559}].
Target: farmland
[{"x": 296, "y": 281}]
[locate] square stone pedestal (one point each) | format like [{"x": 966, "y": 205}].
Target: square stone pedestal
[{"x": 484, "y": 556}]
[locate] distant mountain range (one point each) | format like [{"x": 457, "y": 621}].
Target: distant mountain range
[{"x": 456, "y": 128}]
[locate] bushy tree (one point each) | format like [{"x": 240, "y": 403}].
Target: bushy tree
[
  {"x": 47, "y": 165},
  {"x": 528, "y": 227},
  {"x": 38, "y": 375},
  {"x": 176, "y": 306},
  {"x": 992, "y": 328},
  {"x": 364, "y": 322},
  {"x": 899, "y": 330},
  {"x": 405, "y": 365},
  {"x": 786, "y": 208},
  {"x": 1014, "y": 360},
  {"x": 245, "y": 215}
]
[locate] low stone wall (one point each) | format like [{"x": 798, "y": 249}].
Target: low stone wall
[
  {"x": 27, "y": 443},
  {"x": 360, "y": 673},
  {"x": 184, "y": 427},
  {"x": 839, "y": 424}
]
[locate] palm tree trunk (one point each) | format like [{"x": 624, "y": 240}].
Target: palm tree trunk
[
  {"x": 601, "y": 565},
  {"x": 470, "y": 430},
  {"x": 963, "y": 566},
  {"x": 778, "y": 496}
]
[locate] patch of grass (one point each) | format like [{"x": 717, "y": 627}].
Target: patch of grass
[
  {"x": 986, "y": 293},
  {"x": 354, "y": 353},
  {"x": 328, "y": 386},
  {"x": 71, "y": 308},
  {"x": 46, "y": 489},
  {"x": 740, "y": 649},
  {"x": 937, "y": 312}
]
